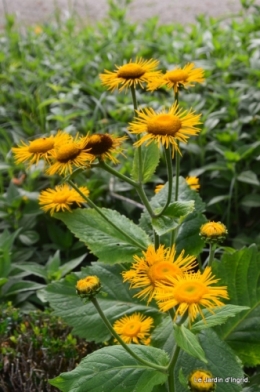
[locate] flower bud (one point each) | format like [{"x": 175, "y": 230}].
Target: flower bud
[
  {"x": 201, "y": 380},
  {"x": 213, "y": 232},
  {"x": 88, "y": 287}
]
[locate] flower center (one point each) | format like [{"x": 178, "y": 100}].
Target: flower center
[
  {"x": 99, "y": 144},
  {"x": 132, "y": 329},
  {"x": 160, "y": 271},
  {"x": 130, "y": 71},
  {"x": 67, "y": 152},
  {"x": 164, "y": 124},
  {"x": 41, "y": 145},
  {"x": 59, "y": 198},
  {"x": 190, "y": 292},
  {"x": 177, "y": 75}
]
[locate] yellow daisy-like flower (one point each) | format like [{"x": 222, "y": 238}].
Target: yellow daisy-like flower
[
  {"x": 39, "y": 148},
  {"x": 193, "y": 183},
  {"x": 134, "y": 329},
  {"x": 61, "y": 198},
  {"x": 186, "y": 77},
  {"x": 69, "y": 154},
  {"x": 103, "y": 146},
  {"x": 88, "y": 287},
  {"x": 156, "y": 266},
  {"x": 158, "y": 188},
  {"x": 130, "y": 74},
  {"x": 165, "y": 127},
  {"x": 213, "y": 232},
  {"x": 189, "y": 292},
  {"x": 201, "y": 381}
]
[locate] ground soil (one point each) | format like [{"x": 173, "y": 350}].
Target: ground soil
[{"x": 33, "y": 12}]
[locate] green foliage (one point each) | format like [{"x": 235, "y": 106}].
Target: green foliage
[
  {"x": 221, "y": 362},
  {"x": 188, "y": 342},
  {"x": 115, "y": 300},
  {"x": 240, "y": 272},
  {"x": 115, "y": 367},
  {"x": 112, "y": 243},
  {"x": 150, "y": 160}
]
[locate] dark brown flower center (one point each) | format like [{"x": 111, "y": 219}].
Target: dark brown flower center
[{"x": 99, "y": 144}]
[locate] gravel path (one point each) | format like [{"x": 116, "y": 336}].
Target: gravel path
[{"x": 184, "y": 11}]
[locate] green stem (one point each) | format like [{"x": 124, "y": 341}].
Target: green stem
[
  {"x": 137, "y": 186},
  {"x": 162, "y": 369},
  {"x": 168, "y": 157},
  {"x": 117, "y": 174},
  {"x": 139, "y": 149},
  {"x": 177, "y": 171},
  {"x": 212, "y": 248},
  {"x": 156, "y": 240},
  {"x": 229, "y": 201},
  {"x": 93, "y": 205}
]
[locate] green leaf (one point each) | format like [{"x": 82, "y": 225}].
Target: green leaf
[
  {"x": 220, "y": 316},
  {"x": 112, "y": 369},
  {"x": 70, "y": 265},
  {"x": 117, "y": 301},
  {"x": 29, "y": 237},
  {"x": 188, "y": 235},
  {"x": 248, "y": 177},
  {"x": 189, "y": 342},
  {"x": 240, "y": 272},
  {"x": 13, "y": 287},
  {"x": 252, "y": 200},
  {"x": 150, "y": 160},
  {"x": 190, "y": 225},
  {"x": 172, "y": 217},
  {"x": 162, "y": 335},
  {"x": 34, "y": 269},
  {"x": 222, "y": 363},
  {"x": 112, "y": 244}
]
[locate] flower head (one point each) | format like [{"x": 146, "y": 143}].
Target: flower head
[
  {"x": 104, "y": 146},
  {"x": 165, "y": 127},
  {"x": 190, "y": 292},
  {"x": 213, "y": 232},
  {"x": 193, "y": 183},
  {"x": 156, "y": 266},
  {"x": 186, "y": 77},
  {"x": 61, "y": 198},
  {"x": 134, "y": 328},
  {"x": 130, "y": 74},
  {"x": 158, "y": 188},
  {"x": 201, "y": 381},
  {"x": 69, "y": 154},
  {"x": 88, "y": 287},
  {"x": 37, "y": 149}
]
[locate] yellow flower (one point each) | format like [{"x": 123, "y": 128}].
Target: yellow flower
[
  {"x": 38, "y": 149},
  {"x": 61, "y": 198},
  {"x": 104, "y": 146},
  {"x": 186, "y": 77},
  {"x": 165, "y": 128},
  {"x": 213, "y": 232},
  {"x": 189, "y": 292},
  {"x": 193, "y": 182},
  {"x": 69, "y": 154},
  {"x": 38, "y": 30},
  {"x": 130, "y": 74},
  {"x": 156, "y": 266},
  {"x": 88, "y": 287},
  {"x": 158, "y": 188},
  {"x": 201, "y": 381},
  {"x": 134, "y": 328}
]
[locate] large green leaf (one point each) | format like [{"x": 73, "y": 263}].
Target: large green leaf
[
  {"x": 241, "y": 273},
  {"x": 162, "y": 335},
  {"x": 172, "y": 217},
  {"x": 112, "y": 244},
  {"x": 188, "y": 230},
  {"x": 222, "y": 363},
  {"x": 112, "y": 369},
  {"x": 221, "y": 314},
  {"x": 116, "y": 302},
  {"x": 150, "y": 160},
  {"x": 188, "y": 342}
]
